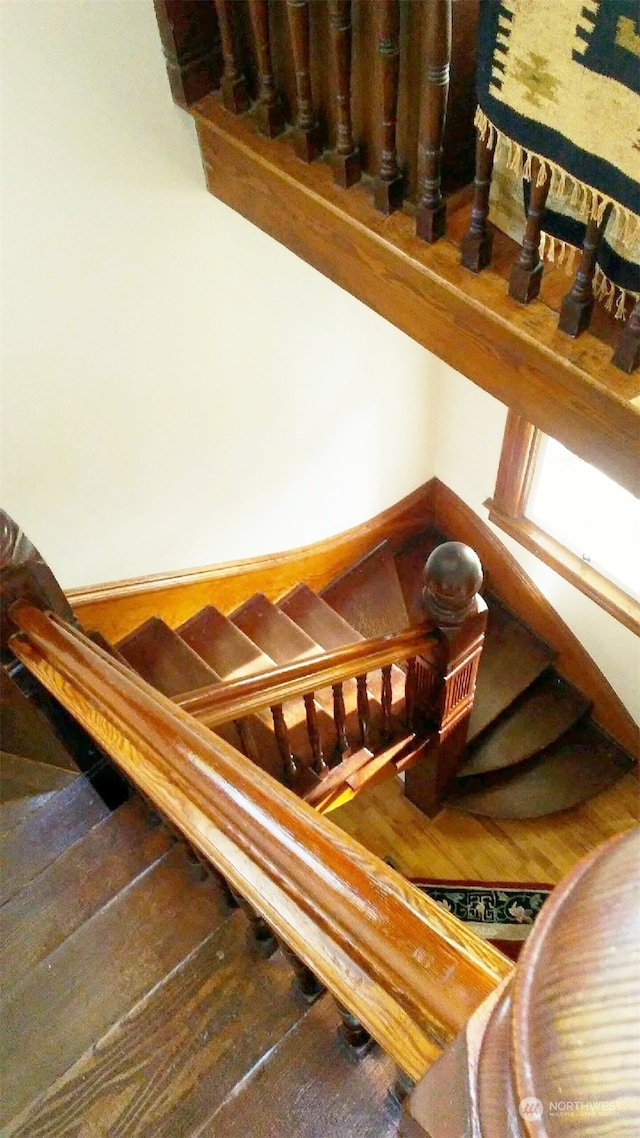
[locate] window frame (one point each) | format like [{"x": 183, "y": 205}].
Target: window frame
[{"x": 507, "y": 511}]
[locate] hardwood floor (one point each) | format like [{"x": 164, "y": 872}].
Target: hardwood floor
[{"x": 461, "y": 846}]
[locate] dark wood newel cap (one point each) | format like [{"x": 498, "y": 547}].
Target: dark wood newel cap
[{"x": 452, "y": 578}]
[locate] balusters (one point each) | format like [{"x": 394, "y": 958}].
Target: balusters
[
  {"x": 313, "y": 731},
  {"x": 477, "y": 243},
  {"x": 306, "y": 135},
  {"x": 526, "y": 272},
  {"x": 303, "y": 978},
  {"x": 386, "y": 701},
  {"x": 577, "y": 305},
  {"x": 269, "y": 113},
  {"x": 247, "y": 741},
  {"x": 627, "y": 353},
  {"x": 363, "y": 709},
  {"x": 431, "y": 209},
  {"x": 234, "y": 91},
  {"x": 289, "y": 764},
  {"x": 262, "y": 937},
  {"x": 388, "y": 186},
  {"x": 346, "y": 158},
  {"x": 340, "y": 719},
  {"x": 191, "y": 47},
  {"x": 353, "y": 1032}
]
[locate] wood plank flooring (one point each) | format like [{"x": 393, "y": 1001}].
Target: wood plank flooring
[{"x": 459, "y": 846}]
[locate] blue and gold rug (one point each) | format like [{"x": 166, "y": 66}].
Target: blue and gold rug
[
  {"x": 502, "y": 911},
  {"x": 559, "y": 80}
]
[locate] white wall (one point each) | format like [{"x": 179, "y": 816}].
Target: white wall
[
  {"x": 179, "y": 389},
  {"x": 470, "y": 426}
]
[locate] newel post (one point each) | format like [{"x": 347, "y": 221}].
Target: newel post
[
  {"x": 24, "y": 576},
  {"x": 191, "y": 45},
  {"x": 441, "y": 691}
]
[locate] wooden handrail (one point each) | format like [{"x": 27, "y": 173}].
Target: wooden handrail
[
  {"x": 409, "y": 971},
  {"x": 218, "y": 703}
]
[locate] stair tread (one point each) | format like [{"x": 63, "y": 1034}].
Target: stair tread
[
  {"x": 577, "y": 767},
  {"x": 312, "y": 1086},
  {"x": 25, "y": 731},
  {"x": 180, "y": 1051},
  {"x": 75, "y": 886},
  {"x": 100, "y": 972},
  {"x": 164, "y": 660},
  {"x": 17, "y": 808},
  {"x": 410, "y": 562},
  {"x": 42, "y": 837},
  {"x": 542, "y": 714},
  {"x": 368, "y": 595},
  {"x": 30, "y": 776},
  {"x": 223, "y": 645},
  {"x": 315, "y": 617},
  {"x": 273, "y": 631},
  {"x": 512, "y": 658}
]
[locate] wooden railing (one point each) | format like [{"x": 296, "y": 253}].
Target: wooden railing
[
  {"x": 386, "y": 91},
  {"x": 408, "y": 971}
]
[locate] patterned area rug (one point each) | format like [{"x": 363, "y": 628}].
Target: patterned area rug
[
  {"x": 501, "y": 911},
  {"x": 559, "y": 80}
]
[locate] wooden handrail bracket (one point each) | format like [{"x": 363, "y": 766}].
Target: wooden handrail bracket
[{"x": 408, "y": 970}]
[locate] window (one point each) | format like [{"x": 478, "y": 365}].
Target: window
[{"x": 572, "y": 516}]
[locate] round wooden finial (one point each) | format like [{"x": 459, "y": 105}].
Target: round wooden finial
[{"x": 452, "y": 578}]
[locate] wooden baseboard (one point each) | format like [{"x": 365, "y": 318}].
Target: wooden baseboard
[{"x": 116, "y": 608}]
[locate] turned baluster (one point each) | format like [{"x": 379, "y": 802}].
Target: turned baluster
[
  {"x": 261, "y": 937},
  {"x": 247, "y": 741},
  {"x": 477, "y": 243},
  {"x": 431, "y": 210},
  {"x": 306, "y": 134},
  {"x": 304, "y": 980},
  {"x": 526, "y": 272},
  {"x": 352, "y": 1031},
  {"x": 577, "y": 306},
  {"x": 346, "y": 157},
  {"x": 627, "y": 353},
  {"x": 386, "y": 701},
  {"x": 340, "y": 719},
  {"x": 313, "y": 731},
  {"x": 191, "y": 47},
  {"x": 363, "y": 709},
  {"x": 289, "y": 764},
  {"x": 269, "y": 113},
  {"x": 389, "y": 184},
  {"x": 234, "y": 90}
]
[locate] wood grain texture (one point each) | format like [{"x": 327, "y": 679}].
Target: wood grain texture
[
  {"x": 41, "y": 838},
  {"x": 415, "y": 975},
  {"x": 75, "y": 886},
  {"x": 178, "y": 1054},
  {"x": 517, "y": 591},
  {"x": 116, "y": 609},
  {"x": 515, "y": 352},
  {"x": 145, "y": 933}
]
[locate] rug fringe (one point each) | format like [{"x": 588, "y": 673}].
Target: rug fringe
[{"x": 589, "y": 203}]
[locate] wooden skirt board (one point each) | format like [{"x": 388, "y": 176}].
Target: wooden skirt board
[{"x": 501, "y": 911}]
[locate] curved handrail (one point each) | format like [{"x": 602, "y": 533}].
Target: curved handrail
[
  {"x": 408, "y": 970},
  {"x": 231, "y": 699}
]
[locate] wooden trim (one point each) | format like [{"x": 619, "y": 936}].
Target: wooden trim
[
  {"x": 510, "y": 584},
  {"x": 520, "y": 446},
  {"x": 409, "y": 971},
  {"x": 569, "y": 388},
  {"x": 574, "y": 570},
  {"x": 115, "y": 609}
]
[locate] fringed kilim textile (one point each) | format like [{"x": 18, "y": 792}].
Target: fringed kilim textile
[{"x": 560, "y": 80}]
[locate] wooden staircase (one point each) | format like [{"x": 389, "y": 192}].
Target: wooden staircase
[
  {"x": 532, "y": 746},
  {"x": 134, "y": 1001}
]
